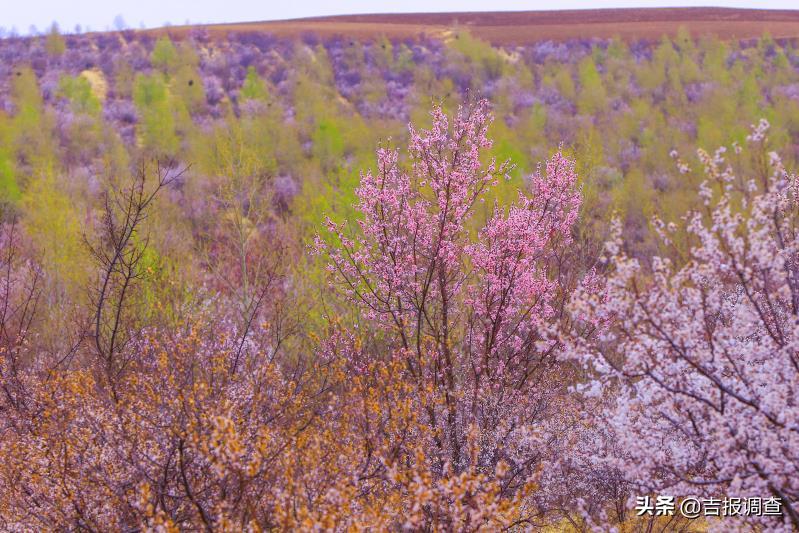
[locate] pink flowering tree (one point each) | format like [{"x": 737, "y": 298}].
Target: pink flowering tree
[
  {"x": 467, "y": 303},
  {"x": 700, "y": 367}
]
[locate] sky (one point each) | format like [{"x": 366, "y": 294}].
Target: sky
[{"x": 23, "y": 15}]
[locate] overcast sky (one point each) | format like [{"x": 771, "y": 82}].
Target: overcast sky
[{"x": 101, "y": 14}]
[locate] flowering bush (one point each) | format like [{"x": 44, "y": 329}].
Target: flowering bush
[
  {"x": 469, "y": 308},
  {"x": 700, "y": 366}
]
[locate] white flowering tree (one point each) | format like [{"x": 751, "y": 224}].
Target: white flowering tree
[{"x": 699, "y": 362}]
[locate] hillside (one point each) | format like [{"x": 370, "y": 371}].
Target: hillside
[
  {"x": 507, "y": 28},
  {"x": 459, "y": 272}
]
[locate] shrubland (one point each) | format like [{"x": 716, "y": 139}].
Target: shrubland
[{"x": 238, "y": 292}]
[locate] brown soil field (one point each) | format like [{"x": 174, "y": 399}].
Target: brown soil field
[{"x": 509, "y": 28}]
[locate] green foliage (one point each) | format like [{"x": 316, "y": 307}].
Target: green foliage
[
  {"x": 714, "y": 61},
  {"x": 328, "y": 144},
  {"x": 383, "y": 53},
  {"x": 78, "y": 91},
  {"x": 9, "y": 189},
  {"x": 186, "y": 85},
  {"x": 617, "y": 49},
  {"x": 26, "y": 96},
  {"x": 563, "y": 82},
  {"x": 238, "y": 148},
  {"x": 124, "y": 77},
  {"x": 157, "y": 124},
  {"x": 404, "y": 61},
  {"x": 54, "y": 43},
  {"x": 51, "y": 218},
  {"x": 505, "y": 148},
  {"x": 32, "y": 125},
  {"x": 489, "y": 61},
  {"x": 165, "y": 56},
  {"x": 254, "y": 87},
  {"x": 592, "y": 92}
]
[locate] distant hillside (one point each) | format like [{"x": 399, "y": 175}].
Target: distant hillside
[{"x": 506, "y": 28}]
